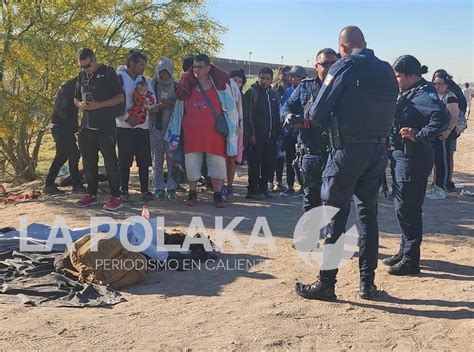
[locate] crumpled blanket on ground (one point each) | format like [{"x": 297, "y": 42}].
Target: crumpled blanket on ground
[
  {"x": 31, "y": 279},
  {"x": 37, "y": 234},
  {"x": 22, "y": 197}
]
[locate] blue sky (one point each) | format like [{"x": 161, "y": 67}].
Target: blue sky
[{"x": 438, "y": 33}]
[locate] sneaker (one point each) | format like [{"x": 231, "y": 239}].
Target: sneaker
[
  {"x": 160, "y": 194},
  {"x": 436, "y": 193},
  {"x": 79, "y": 189},
  {"x": 224, "y": 190},
  {"x": 403, "y": 268},
  {"x": 171, "y": 194},
  {"x": 52, "y": 189},
  {"x": 289, "y": 192},
  {"x": 147, "y": 196},
  {"x": 87, "y": 200},
  {"x": 317, "y": 290},
  {"x": 394, "y": 259},
  {"x": 227, "y": 191},
  {"x": 267, "y": 194},
  {"x": 114, "y": 203}
]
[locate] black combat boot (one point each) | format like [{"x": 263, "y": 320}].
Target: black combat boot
[
  {"x": 367, "y": 290},
  {"x": 404, "y": 268},
  {"x": 394, "y": 259},
  {"x": 318, "y": 290}
]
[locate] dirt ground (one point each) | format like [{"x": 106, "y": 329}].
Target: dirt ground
[{"x": 257, "y": 309}]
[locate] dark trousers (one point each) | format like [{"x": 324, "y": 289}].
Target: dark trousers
[
  {"x": 392, "y": 172},
  {"x": 91, "y": 142},
  {"x": 355, "y": 169},
  {"x": 279, "y": 165},
  {"x": 409, "y": 197},
  {"x": 66, "y": 150},
  {"x": 134, "y": 143},
  {"x": 261, "y": 163},
  {"x": 442, "y": 161},
  {"x": 290, "y": 157},
  {"x": 312, "y": 167},
  {"x": 411, "y": 174}
]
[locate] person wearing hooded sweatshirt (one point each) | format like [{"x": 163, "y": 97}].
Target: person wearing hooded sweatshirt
[
  {"x": 133, "y": 138},
  {"x": 164, "y": 88}
]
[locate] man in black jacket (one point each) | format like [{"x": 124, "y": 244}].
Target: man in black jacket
[
  {"x": 261, "y": 113},
  {"x": 100, "y": 95},
  {"x": 64, "y": 126}
]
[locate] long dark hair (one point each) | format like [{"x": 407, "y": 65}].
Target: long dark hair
[{"x": 452, "y": 86}]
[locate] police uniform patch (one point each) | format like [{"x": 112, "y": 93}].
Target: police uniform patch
[
  {"x": 433, "y": 96},
  {"x": 328, "y": 80}
]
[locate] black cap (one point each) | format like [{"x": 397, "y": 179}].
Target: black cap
[{"x": 409, "y": 65}]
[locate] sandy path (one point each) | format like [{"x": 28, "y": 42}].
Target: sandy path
[{"x": 257, "y": 308}]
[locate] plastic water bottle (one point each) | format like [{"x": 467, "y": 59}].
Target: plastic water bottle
[{"x": 145, "y": 213}]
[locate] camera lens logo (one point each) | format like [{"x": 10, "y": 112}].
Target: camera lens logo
[{"x": 306, "y": 240}]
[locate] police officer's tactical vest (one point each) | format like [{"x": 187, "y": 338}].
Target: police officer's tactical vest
[
  {"x": 314, "y": 137},
  {"x": 404, "y": 97},
  {"x": 371, "y": 99}
]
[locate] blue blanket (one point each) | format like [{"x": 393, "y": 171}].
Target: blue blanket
[{"x": 37, "y": 234}]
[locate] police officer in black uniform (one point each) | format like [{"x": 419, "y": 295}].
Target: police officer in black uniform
[
  {"x": 420, "y": 117},
  {"x": 312, "y": 146},
  {"x": 358, "y": 100}
]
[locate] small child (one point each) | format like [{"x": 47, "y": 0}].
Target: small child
[{"x": 143, "y": 100}]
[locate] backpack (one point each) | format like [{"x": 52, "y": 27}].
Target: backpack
[
  {"x": 97, "y": 267},
  {"x": 461, "y": 124}
]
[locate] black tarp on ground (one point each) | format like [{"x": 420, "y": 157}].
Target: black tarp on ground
[{"x": 31, "y": 279}]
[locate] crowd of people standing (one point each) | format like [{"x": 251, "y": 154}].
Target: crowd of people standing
[
  {"x": 255, "y": 120},
  {"x": 334, "y": 133}
]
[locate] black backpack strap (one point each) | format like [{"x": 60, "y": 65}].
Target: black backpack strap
[{"x": 208, "y": 101}]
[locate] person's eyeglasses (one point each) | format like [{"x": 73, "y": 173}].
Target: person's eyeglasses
[
  {"x": 439, "y": 83},
  {"x": 325, "y": 64},
  {"x": 89, "y": 65},
  {"x": 198, "y": 67}
]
